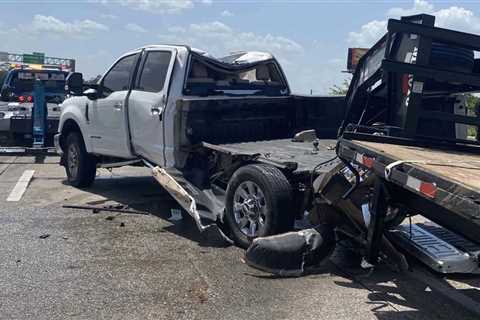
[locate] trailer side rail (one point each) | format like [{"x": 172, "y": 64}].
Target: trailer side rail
[{"x": 434, "y": 196}]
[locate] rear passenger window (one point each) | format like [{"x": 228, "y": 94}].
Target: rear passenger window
[
  {"x": 118, "y": 78},
  {"x": 154, "y": 71}
]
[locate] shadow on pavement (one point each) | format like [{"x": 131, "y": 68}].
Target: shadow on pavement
[
  {"x": 143, "y": 193},
  {"x": 392, "y": 295}
]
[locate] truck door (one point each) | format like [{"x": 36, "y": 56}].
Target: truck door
[
  {"x": 147, "y": 102},
  {"x": 109, "y": 133}
]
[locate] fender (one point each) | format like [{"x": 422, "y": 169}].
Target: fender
[{"x": 74, "y": 108}]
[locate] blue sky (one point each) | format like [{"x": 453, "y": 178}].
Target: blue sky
[{"x": 310, "y": 38}]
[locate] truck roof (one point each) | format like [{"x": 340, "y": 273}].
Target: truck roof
[{"x": 239, "y": 57}]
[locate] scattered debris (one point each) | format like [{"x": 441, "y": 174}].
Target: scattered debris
[
  {"x": 44, "y": 236},
  {"x": 110, "y": 208},
  {"x": 122, "y": 224},
  {"x": 110, "y": 218},
  {"x": 199, "y": 291},
  {"x": 176, "y": 215},
  {"x": 291, "y": 253},
  {"x": 18, "y": 261}
]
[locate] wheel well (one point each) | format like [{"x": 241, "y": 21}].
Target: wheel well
[{"x": 69, "y": 126}]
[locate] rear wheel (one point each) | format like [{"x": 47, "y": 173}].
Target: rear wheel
[
  {"x": 258, "y": 203},
  {"x": 79, "y": 165}
]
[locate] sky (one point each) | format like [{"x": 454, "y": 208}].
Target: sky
[{"x": 309, "y": 38}]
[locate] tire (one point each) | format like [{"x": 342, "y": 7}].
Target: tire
[
  {"x": 79, "y": 165},
  {"x": 269, "y": 209}
]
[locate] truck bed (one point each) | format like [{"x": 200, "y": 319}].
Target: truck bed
[{"x": 282, "y": 152}]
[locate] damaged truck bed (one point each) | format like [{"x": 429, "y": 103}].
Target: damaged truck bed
[{"x": 301, "y": 156}]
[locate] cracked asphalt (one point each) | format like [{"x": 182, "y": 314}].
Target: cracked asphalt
[{"x": 58, "y": 263}]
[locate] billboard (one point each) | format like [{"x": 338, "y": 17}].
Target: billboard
[{"x": 354, "y": 55}]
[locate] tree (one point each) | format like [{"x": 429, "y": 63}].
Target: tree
[
  {"x": 93, "y": 80},
  {"x": 340, "y": 90},
  {"x": 472, "y": 102}
]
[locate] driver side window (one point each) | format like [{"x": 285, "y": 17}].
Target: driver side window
[{"x": 118, "y": 78}]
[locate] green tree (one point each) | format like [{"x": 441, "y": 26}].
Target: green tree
[
  {"x": 472, "y": 102},
  {"x": 340, "y": 90}
]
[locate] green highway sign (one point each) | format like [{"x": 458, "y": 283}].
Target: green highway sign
[{"x": 36, "y": 58}]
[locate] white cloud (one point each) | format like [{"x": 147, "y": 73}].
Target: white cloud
[
  {"x": 156, "y": 6},
  {"x": 219, "y": 38},
  {"x": 211, "y": 29},
  {"x": 108, "y": 16},
  {"x": 368, "y": 34},
  {"x": 419, "y": 6},
  {"x": 206, "y": 2},
  {"x": 226, "y": 13},
  {"x": 176, "y": 29},
  {"x": 454, "y": 17},
  {"x": 135, "y": 28},
  {"x": 52, "y": 25}
]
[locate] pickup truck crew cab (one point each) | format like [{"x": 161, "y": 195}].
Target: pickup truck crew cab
[{"x": 218, "y": 133}]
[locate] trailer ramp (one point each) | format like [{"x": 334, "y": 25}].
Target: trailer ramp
[{"x": 441, "y": 249}]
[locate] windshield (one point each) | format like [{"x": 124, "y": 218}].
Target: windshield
[
  {"x": 263, "y": 79},
  {"x": 54, "y": 81}
]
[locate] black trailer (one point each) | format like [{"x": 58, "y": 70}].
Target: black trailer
[{"x": 398, "y": 130}]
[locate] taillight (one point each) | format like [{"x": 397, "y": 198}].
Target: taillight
[
  {"x": 29, "y": 98},
  {"x": 21, "y": 99}
]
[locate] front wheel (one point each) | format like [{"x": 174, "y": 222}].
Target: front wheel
[
  {"x": 79, "y": 165},
  {"x": 258, "y": 203}
]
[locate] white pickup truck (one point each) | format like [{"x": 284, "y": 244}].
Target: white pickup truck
[{"x": 218, "y": 134}]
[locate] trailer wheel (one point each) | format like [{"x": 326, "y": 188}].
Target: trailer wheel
[
  {"x": 258, "y": 203},
  {"x": 79, "y": 165}
]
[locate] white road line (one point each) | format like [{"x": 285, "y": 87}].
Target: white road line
[{"x": 21, "y": 186}]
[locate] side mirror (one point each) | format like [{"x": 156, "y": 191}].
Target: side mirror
[
  {"x": 91, "y": 94},
  {"x": 74, "y": 83}
]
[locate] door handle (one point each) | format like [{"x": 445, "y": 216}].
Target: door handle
[
  {"x": 155, "y": 110},
  {"x": 118, "y": 105}
]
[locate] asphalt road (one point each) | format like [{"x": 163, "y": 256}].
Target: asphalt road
[{"x": 58, "y": 263}]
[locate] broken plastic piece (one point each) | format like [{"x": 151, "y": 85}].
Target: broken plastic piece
[
  {"x": 290, "y": 254},
  {"x": 305, "y": 136},
  {"x": 176, "y": 215}
]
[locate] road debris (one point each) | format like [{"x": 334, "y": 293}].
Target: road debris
[
  {"x": 44, "y": 236},
  {"x": 291, "y": 253},
  {"x": 176, "y": 215},
  {"x": 107, "y": 208}
]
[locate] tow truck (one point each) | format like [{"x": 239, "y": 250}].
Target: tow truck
[
  {"x": 18, "y": 74},
  {"x": 401, "y": 129}
]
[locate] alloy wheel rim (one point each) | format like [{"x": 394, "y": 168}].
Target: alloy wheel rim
[
  {"x": 250, "y": 208},
  {"x": 72, "y": 160}
]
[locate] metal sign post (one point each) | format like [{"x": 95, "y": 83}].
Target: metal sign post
[{"x": 39, "y": 115}]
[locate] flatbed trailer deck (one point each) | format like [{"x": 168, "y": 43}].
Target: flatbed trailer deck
[{"x": 439, "y": 184}]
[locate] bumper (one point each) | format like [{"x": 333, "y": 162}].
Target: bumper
[
  {"x": 5, "y": 125},
  {"x": 24, "y": 125},
  {"x": 56, "y": 143}
]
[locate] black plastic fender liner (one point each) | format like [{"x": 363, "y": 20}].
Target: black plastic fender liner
[{"x": 291, "y": 253}]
